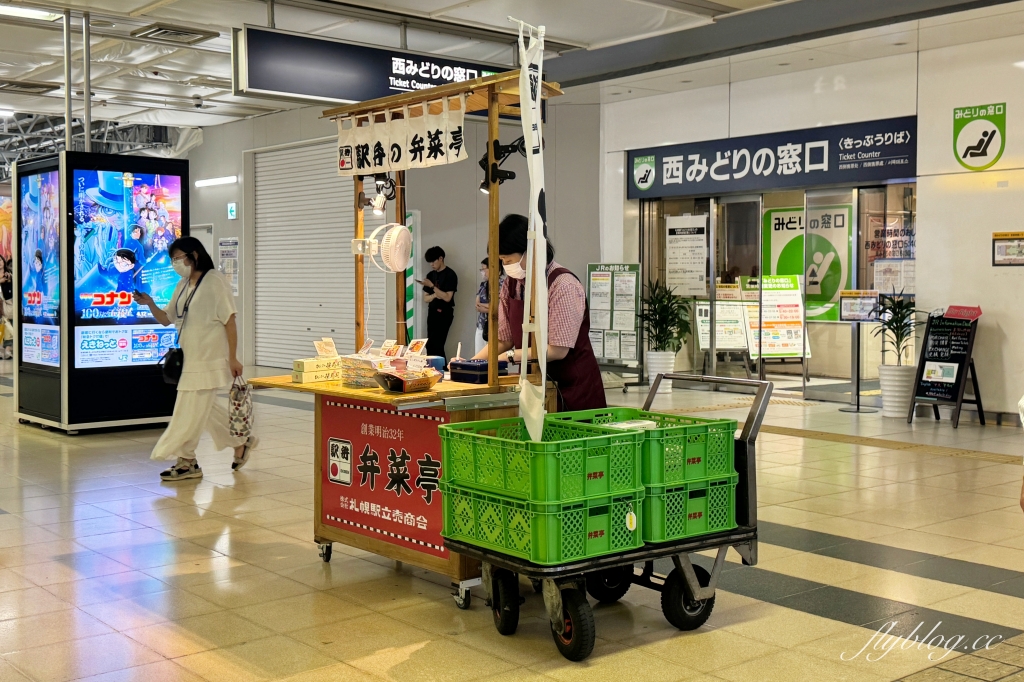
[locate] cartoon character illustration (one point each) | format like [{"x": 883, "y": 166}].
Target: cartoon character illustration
[
  {"x": 36, "y": 276},
  {"x": 124, "y": 263},
  {"x": 135, "y": 241}
]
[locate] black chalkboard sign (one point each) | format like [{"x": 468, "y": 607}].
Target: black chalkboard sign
[{"x": 944, "y": 365}]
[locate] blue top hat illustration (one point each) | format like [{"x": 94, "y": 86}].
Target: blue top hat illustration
[
  {"x": 110, "y": 192},
  {"x": 30, "y": 199}
]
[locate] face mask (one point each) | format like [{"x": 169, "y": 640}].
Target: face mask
[
  {"x": 483, "y": 276},
  {"x": 515, "y": 270},
  {"x": 180, "y": 268}
]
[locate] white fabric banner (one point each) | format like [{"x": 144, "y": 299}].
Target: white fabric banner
[
  {"x": 456, "y": 136},
  {"x": 531, "y": 397},
  {"x": 346, "y": 150}
]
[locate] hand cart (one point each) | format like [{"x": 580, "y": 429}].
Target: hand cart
[{"x": 687, "y": 593}]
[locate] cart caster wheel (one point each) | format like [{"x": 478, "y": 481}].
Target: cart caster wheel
[
  {"x": 72, "y": 433},
  {"x": 679, "y": 608},
  {"x": 538, "y": 586},
  {"x": 463, "y": 600},
  {"x": 505, "y": 602},
  {"x": 326, "y": 551},
  {"x": 625, "y": 389},
  {"x": 577, "y": 639},
  {"x": 22, "y": 421},
  {"x": 611, "y": 585}
]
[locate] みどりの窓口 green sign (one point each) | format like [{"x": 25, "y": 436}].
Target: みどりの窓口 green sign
[{"x": 979, "y": 135}]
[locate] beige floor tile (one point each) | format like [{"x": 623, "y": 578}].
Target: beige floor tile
[
  {"x": 82, "y": 657},
  {"x": 29, "y": 602},
  {"x": 239, "y": 592},
  {"x": 106, "y": 588},
  {"x": 623, "y": 621},
  {"x": 263, "y": 659},
  {"x": 909, "y": 589},
  {"x": 969, "y": 529},
  {"x": 339, "y": 672},
  {"x": 198, "y": 572},
  {"x": 892, "y": 659},
  {"x": 161, "y": 671},
  {"x": 303, "y": 611},
  {"x": 816, "y": 567},
  {"x": 614, "y": 663},
  {"x": 787, "y": 515},
  {"x": 343, "y": 570},
  {"x": 8, "y": 673},
  {"x": 776, "y": 625},
  {"x": 12, "y": 580},
  {"x": 395, "y": 591},
  {"x": 440, "y": 660},
  {"x": 173, "y": 639},
  {"x": 791, "y": 666},
  {"x": 847, "y": 527},
  {"x": 703, "y": 649},
  {"x": 357, "y": 638},
  {"x": 992, "y": 555},
  {"x": 147, "y": 609},
  {"x": 925, "y": 542},
  {"x": 48, "y": 628},
  {"x": 71, "y": 567},
  {"x": 532, "y": 642},
  {"x": 517, "y": 675},
  {"x": 986, "y": 606}
]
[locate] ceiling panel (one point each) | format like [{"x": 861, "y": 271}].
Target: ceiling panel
[{"x": 198, "y": 63}]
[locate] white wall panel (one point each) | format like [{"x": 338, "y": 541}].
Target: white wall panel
[
  {"x": 672, "y": 118},
  {"x": 969, "y": 75},
  {"x": 846, "y": 93},
  {"x": 956, "y": 216}
]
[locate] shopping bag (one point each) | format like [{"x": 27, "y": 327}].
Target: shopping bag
[{"x": 240, "y": 409}]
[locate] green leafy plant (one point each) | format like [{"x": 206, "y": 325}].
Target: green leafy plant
[
  {"x": 665, "y": 317},
  {"x": 896, "y": 323}
]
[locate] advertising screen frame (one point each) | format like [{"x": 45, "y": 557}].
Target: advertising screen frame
[{"x": 122, "y": 393}]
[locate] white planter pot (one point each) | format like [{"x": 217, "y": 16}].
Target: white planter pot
[
  {"x": 897, "y": 382},
  {"x": 661, "y": 362}
]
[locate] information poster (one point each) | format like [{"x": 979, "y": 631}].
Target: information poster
[
  {"x": 686, "y": 255},
  {"x": 894, "y": 276},
  {"x": 1007, "y": 248},
  {"x": 750, "y": 289},
  {"x": 730, "y": 326},
  {"x": 858, "y": 306},
  {"x": 123, "y": 223},
  {"x": 227, "y": 248},
  {"x": 39, "y": 204},
  {"x": 947, "y": 352},
  {"x": 613, "y": 290},
  {"x": 781, "y": 334}
]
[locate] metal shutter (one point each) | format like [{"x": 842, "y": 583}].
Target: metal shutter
[{"x": 304, "y": 270}]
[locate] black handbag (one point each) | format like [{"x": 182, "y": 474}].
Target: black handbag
[{"x": 173, "y": 361}]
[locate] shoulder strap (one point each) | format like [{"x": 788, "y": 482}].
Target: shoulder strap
[{"x": 188, "y": 301}]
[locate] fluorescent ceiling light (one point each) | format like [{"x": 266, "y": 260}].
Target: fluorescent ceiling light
[
  {"x": 210, "y": 182},
  {"x": 29, "y": 13},
  {"x": 6, "y": 113},
  {"x": 1019, "y": 65}
]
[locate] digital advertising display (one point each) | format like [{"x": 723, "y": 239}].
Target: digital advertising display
[
  {"x": 39, "y": 203},
  {"x": 123, "y": 223}
]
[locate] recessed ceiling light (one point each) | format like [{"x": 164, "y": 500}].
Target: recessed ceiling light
[
  {"x": 686, "y": 81},
  {"x": 613, "y": 94},
  {"x": 211, "y": 182},
  {"x": 900, "y": 44},
  {"x": 6, "y": 113},
  {"x": 783, "y": 63},
  {"x": 29, "y": 13},
  {"x": 101, "y": 23}
]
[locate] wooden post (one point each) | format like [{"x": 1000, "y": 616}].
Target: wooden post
[
  {"x": 492, "y": 238},
  {"x": 401, "y": 330},
  {"x": 360, "y": 293}
]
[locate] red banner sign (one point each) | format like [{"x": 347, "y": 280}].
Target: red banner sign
[
  {"x": 381, "y": 472},
  {"x": 963, "y": 312}
]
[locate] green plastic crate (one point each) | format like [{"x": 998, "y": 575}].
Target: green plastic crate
[
  {"x": 546, "y": 534},
  {"x": 681, "y": 449},
  {"x": 571, "y": 462},
  {"x": 690, "y": 509}
]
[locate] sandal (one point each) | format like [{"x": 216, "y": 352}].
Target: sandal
[{"x": 250, "y": 445}]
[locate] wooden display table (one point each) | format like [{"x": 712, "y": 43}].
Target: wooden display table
[{"x": 378, "y": 465}]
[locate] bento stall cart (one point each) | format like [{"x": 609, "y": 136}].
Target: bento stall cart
[{"x": 378, "y": 453}]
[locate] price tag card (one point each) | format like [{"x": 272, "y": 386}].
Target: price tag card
[
  {"x": 418, "y": 347},
  {"x": 416, "y": 363},
  {"x": 367, "y": 345},
  {"x": 325, "y": 348},
  {"x": 386, "y": 346}
]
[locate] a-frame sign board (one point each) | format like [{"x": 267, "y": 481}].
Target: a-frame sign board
[{"x": 945, "y": 363}]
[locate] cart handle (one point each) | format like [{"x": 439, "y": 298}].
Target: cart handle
[{"x": 752, "y": 424}]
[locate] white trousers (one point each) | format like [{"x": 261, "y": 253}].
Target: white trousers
[
  {"x": 480, "y": 343},
  {"x": 195, "y": 412}
]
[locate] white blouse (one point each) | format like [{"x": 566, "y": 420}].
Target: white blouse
[{"x": 203, "y": 338}]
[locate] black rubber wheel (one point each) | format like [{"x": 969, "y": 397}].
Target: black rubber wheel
[
  {"x": 610, "y": 585},
  {"x": 325, "y": 552},
  {"x": 577, "y": 639},
  {"x": 463, "y": 604},
  {"x": 505, "y": 601},
  {"x": 679, "y": 608},
  {"x": 22, "y": 421}
]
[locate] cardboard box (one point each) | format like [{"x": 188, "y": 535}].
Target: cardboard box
[
  {"x": 316, "y": 364},
  {"x": 310, "y": 377}
]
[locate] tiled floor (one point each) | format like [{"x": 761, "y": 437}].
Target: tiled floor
[{"x": 108, "y": 574}]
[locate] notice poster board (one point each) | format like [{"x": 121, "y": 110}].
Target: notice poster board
[
  {"x": 1007, "y": 248},
  {"x": 730, "y": 326},
  {"x": 945, "y": 360},
  {"x": 782, "y": 319},
  {"x": 613, "y": 292},
  {"x": 858, "y": 305},
  {"x": 686, "y": 255}
]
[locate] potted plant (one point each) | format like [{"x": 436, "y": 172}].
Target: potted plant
[
  {"x": 666, "y": 321},
  {"x": 896, "y": 327}
]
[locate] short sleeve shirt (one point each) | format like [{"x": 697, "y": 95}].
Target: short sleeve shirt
[
  {"x": 203, "y": 338},
  {"x": 446, "y": 280},
  {"x": 567, "y": 304}
]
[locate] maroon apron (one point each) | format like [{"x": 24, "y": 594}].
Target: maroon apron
[{"x": 577, "y": 376}]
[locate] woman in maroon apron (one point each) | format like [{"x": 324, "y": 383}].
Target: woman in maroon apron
[{"x": 571, "y": 361}]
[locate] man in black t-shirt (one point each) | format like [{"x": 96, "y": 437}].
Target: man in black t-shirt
[{"x": 439, "y": 293}]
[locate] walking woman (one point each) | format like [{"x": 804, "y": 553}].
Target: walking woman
[{"x": 208, "y": 338}]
